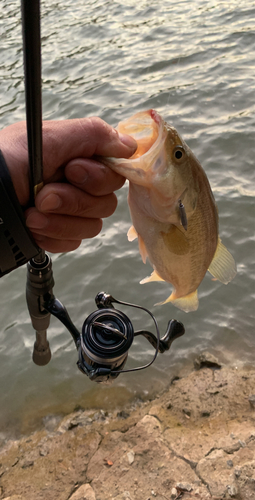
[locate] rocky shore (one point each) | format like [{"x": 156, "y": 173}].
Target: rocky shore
[{"x": 195, "y": 441}]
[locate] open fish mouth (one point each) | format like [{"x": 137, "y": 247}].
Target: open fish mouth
[{"x": 148, "y": 129}]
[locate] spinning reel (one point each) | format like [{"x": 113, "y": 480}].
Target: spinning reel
[{"x": 107, "y": 333}]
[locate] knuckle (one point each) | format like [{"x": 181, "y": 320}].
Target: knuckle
[
  {"x": 81, "y": 206},
  {"x": 61, "y": 230},
  {"x": 111, "y": 205}
]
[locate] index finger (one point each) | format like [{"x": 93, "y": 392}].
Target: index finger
[
  {"x": 82, "y": 138},
  {"x": 93, "y": 177}
]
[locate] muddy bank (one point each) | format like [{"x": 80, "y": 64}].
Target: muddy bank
[{"x": 194, "y": 441}]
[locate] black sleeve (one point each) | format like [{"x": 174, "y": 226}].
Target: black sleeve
[{"x": 16, "y": 243}]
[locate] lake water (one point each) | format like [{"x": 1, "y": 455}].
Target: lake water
[{"x": 194, "y": 62}]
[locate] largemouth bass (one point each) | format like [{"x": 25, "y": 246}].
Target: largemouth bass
[{"x": 173, "y": 210}]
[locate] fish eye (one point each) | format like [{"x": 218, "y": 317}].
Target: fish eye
[{"x": 179, "y": 152}]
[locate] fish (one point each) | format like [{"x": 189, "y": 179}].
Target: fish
[{"x": 173, "y": 210}]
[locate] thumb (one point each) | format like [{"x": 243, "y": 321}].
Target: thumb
[{"x": 83, "y": 138}]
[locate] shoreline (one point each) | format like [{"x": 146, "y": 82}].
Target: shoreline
[{"x": 196, "y": 440}]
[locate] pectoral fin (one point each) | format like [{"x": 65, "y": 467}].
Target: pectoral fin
[
  {"x": 187, "y": 304},
  {"x": 223, "y": 266},
  {"x": 183, "y": 216},
  {"x": 132, "y": 234},
  {"x": 153, "y": 277}
]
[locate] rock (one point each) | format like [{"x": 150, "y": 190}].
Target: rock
[
  {"x": 26, "y": 463},
  {"x": 51, "y": 422},
  {"x": 212, "y": 469},
  {"x": 174, "y": 493},
  {"x": 151, "y": 424},
  {"x": 251, "y": 400},
  {"x": 130, "y": 457},
  {"x": 237, "y": 472},
  {"x": 85, "y": 492},
  {"x": 206, "y": 360},
  {"x": 232, "y": 490},
  {"x": 123, "y": 414},
  {"x": 233, "y": 448},
  {"x": 186, "y": 411},
  {"x": 123, "y": 496},
  {"x": 81, "y": 420},
  {"x": 76, "y": 419},
  {"x": 205, "y": 413},
  {"x": 99, "y": 415},
  {"x": 184, "y": 487},
  {"x": 14, "y": 497},
  {"x": 44, "y": 451}
]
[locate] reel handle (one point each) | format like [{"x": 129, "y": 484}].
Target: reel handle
[{"x": 174, "y": 330}]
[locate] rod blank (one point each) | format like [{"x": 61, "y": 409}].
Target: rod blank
[{"x": 32, "y": 67}]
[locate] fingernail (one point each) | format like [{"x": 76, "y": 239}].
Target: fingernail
[
  {"x": 36, "y": 221},
  {"x": 79, "y": 175},
  {"x": 51, "y": 202},
  {"x": 128, "y": 141}
]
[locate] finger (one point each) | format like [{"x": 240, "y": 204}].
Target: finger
[
  {"x": 85, "y": 137},
  {"x": 63, "y": 141},
  {"x": 93, "y": 177},
  {"x": 56, "y": 246},
  {"x": 62, "y": 226},
  {"x": 68, "y": 200}
]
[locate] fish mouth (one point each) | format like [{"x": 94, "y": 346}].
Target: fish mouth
[
  {"x": 149, "y": 131},
  {"x": 147, "y": 128}
]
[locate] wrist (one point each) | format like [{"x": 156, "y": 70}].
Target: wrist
[
  {"x": 13, "y": 144},
  {"x": 17, "y": 245}
]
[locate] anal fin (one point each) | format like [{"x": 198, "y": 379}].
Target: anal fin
[{"x": 223, "y": 266}]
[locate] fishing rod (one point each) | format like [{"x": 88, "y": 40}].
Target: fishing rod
[
  {"x": 107, "y": 333},
  {"x": 39, "y": 269}
]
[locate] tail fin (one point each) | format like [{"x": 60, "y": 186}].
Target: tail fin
[{"x": 187, "y": 303}]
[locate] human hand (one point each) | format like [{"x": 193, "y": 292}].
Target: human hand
[{"x": 78, "y": 190}]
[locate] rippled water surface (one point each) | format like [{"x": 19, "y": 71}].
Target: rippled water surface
[{"x": 193, "y": 61}]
